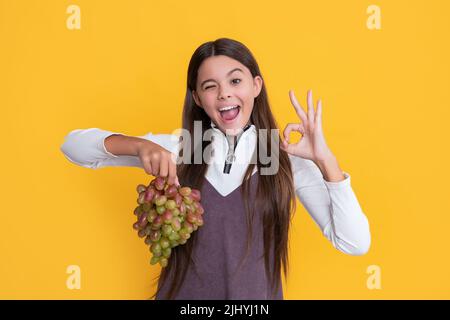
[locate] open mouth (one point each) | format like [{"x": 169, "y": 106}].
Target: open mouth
[{"x": 230, "y": 114}]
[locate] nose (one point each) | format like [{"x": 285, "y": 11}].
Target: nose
[{"x": 223, "y": 94}]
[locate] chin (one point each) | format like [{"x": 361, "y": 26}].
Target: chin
[{"x": 233, "y": 129}]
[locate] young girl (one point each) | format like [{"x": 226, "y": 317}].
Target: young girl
[{"x": 239, "y": 251}]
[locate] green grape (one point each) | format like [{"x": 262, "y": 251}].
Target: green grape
[
  {"x": 157, "y": 254},
  {"x": 160, "y": 209},
  {"x": 155, "y": 247},
  {"x": 166, "y": 230},
  {"x": 189, "y": 226},
  {"x": 160, "y": 200},
  {"x": 187, "y": 200},
  {"x": 176, "y": 212},
  {"x": 170, "y": 204},
  {"x": 166, "y": 252},
  {"x": 154, "y": 260},
  {"x": 184, "y": 234},
  {"x": 173, "y": 243},
  {"x": 164, "y": 242},
  {"x": 152, "y": 215},
  {"x": 163, "y": 262},
  {"x": 185, "y": 191},
  {"x": 174, "y": 236}
]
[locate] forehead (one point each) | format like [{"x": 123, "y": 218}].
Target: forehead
[{"x": 217, "y": 67}]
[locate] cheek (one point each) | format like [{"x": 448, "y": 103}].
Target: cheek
[
  {"x": 207, "y": 102},
  {"x": 246, "y": 94},
  {"x": 248, "y": 110},
  {"x": 248, "y": 99},
  {"x": 210, "y": 108}
]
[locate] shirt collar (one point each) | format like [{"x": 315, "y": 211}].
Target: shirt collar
[
  {"x": 226, "y": 149},
  {"x": 249, "y": 129}
]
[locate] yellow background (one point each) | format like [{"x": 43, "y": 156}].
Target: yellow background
[{"x": 385, "y": 111}]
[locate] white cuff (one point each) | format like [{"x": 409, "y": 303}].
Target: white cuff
[
  {"x": 338, "y": 184},
  {"x": 103, "y": 144}
]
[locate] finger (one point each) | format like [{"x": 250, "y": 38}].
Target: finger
[
  {"x": 298, "y": 108},
  {"x": 164, "y": 167},
  {"x": 172, "y": 173},
  {"x": 318, "y": 120},
  {"x": 155, "y": 166},
  {"x": 177, "y": 182},
  {"x": 289, "y": 128},
  {"x": 147, "y": 167},
  {"x": 292, "y": 127},
  {"x": 310, "y": 108},
  {"x": 288, "y": 147}
]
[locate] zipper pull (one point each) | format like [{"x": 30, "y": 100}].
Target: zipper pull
[
  {"x": 231, "y": 148},
  {"x": 230, "y": 155}
]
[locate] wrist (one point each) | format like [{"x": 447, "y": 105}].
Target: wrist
[
  {"x": 137, "y": 145},
  {"x": 326, "y": 160},
  {"x": 330, "y": 169}
]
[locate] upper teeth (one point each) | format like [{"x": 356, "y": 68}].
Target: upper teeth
[{"x": 227, "y": 108}]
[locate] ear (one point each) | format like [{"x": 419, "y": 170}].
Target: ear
[
  {"x": 196, "y": 98},
  {"x": 257, "y": 85}
]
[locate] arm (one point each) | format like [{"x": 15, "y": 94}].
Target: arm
[
  {"x": 95, "y": 148},
  {"x": 121, "y": 145},
  {"x": 333, "y": 206}
]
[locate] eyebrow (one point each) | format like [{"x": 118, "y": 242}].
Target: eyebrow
[{"x": 230, "y": 72}]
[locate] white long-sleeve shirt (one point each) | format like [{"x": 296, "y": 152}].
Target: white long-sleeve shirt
[{"x": 332, "y": 205}]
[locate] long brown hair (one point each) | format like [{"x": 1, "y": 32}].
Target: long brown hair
[{"x": 275, "y": 195}]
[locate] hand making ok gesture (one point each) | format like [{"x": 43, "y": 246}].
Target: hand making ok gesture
[{"x": 312, "y": 144}]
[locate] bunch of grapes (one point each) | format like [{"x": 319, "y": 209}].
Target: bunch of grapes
[{"x": 166, "y": 216}]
